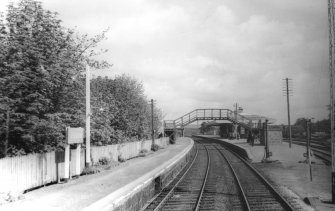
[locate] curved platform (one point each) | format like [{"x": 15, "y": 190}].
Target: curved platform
[{"x": 126, "y": 187}]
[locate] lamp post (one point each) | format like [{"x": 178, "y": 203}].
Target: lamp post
[
  {"x": 266, "y": 139},
  {"x": 88, "y": 118},
  {"x": 235, "y": 125}
]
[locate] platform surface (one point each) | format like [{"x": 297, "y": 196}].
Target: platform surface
[
  {"x": 289, "y": 171},
  {"x": 80, "y": 193}
]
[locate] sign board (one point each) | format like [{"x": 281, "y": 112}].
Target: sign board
[{"x": 74, "y": 135}]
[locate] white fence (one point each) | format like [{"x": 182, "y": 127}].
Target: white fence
[{"x": 25, "y": 172}]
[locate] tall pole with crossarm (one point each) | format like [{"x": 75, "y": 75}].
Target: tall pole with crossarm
[
  {"x": 331, "y": 22},
  {"x": 288, "y": 91}
]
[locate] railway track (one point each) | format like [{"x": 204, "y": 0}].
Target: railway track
[
  {"x": 258, "y": 192},
  {"x": 217, "y": 179},
  {"x": 319, "y": 150},
  {"x": 185, "y": 191},
  {"x": 314, "y": 143}
]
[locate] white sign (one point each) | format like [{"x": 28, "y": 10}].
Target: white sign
[{"x": 74, "y": 135}]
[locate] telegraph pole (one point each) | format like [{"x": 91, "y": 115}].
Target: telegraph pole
[
  {"x": 331, "y": 22},
  {"x": 88, "y": 118},
  {"x": 287, "y": 91}
]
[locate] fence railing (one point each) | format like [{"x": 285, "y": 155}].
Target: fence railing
[{"x": 21, "y": 173}]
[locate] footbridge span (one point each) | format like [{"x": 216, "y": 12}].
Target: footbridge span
[{"x": 208, "y": 114}]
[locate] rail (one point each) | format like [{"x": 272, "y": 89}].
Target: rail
[
  {"x": 243, "y": 195},
  {"x": 319, "y": 150},
  {"x": 285, "y": 204},
  {"x": 197, "y": 206},
  {"x": 195, "y": 187},
  {"x": 163, "y": 199},
  {"x": 160, "y": 205},
  {"x": 171, "y": 187}
]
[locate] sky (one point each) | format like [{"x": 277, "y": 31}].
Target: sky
[{"x": 192, "y": 54}]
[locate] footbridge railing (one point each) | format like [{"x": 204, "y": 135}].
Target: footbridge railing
[{"x": 207, "y": 114}]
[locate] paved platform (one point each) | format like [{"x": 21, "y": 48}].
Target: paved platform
[
  {"x": 89, "y": 192},
  {"x": 290, "y": 172}
]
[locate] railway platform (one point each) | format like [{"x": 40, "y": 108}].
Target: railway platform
[
  {"x": 288, "y": 170},
  {"x": 97, "y": 191}
]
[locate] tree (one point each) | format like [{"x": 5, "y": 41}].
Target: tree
[
  {"x": 121, "y": 110},
  {"x": 321, "y": 126},
  {"x": 41, "y": 80},
  {"x": 42, "y": 85},
  {"x": 301, "y": 122}
]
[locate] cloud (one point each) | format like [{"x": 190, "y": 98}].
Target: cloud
[{"x": 196, "y": 54}]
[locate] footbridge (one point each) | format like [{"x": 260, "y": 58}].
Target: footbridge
[{"x": 208, "y": 114}]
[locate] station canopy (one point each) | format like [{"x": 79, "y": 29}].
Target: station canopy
[{"x": 254, "y": 118}]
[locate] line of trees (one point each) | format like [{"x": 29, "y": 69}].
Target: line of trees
[
  {"x": 42, "y": 86},
  {"x": 299, "y": 128}
]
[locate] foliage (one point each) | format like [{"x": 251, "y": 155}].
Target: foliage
[
  {"x": 104, "y": 161},
  {"x": 91, "y": 170},
  {"x": 42, "y": 85},
  {"x": 121, "y": 110},
  {"x": 301, "y": 122},
  {"x": 318, "y": 126},
  {"x": 121, "y": 159},
  {"x": 299, "y": 127},
  {"x": 155, "y": 147},
  {"x": 321, "y": 126},
  {"x": 143, "y": 153}
]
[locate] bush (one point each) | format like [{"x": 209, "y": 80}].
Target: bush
[
  {"x": 90, "y": 170},
  {"x": 121, "y": 159},
  {"x": 104, "y": 161},
  {"x": 154, "y": 147},
  {"x": 143, "y": 153}
]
